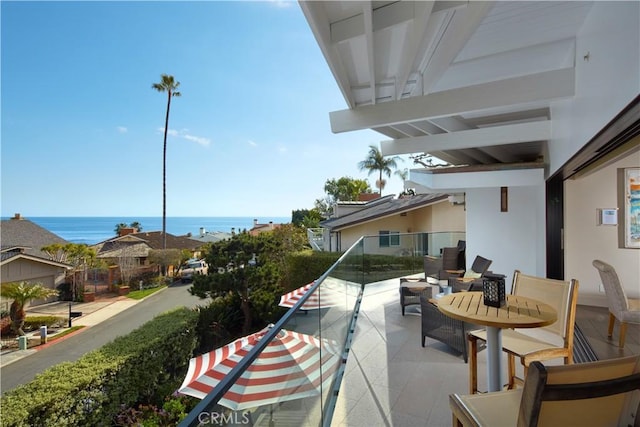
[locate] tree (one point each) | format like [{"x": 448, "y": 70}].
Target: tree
[
  {"x": 375, "y": 161},
  {"x": 346, "y": 189},
  {"x": 167, "y": 257},
  {"x": 79, "y": 255},
  {"x": 240, "y": 269},
  {"x": 343, "y": 189},
  {"x": 22, "y": 293},
  {"x": 169, "y": 85},
  {"x": 308, "y": 218}
]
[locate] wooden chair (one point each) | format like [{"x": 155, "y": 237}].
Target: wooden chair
[
  {"x": 549, "y": 342},
  {"x": 602, "y": 393},
  {"x": 620, "y": 307}
]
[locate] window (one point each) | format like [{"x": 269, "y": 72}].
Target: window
[{"x": 389, "y": 238}]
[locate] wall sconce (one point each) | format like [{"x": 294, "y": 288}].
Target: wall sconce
[{"x": 504, "y": 199}]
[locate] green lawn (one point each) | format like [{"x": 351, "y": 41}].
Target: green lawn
[{"x": 143, "y": 293}]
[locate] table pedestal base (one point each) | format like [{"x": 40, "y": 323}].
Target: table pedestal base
[{"x": 494, "y": 357}]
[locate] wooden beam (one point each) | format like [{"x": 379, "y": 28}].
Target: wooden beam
[
  {"x": 544, "y": 86},
  {"x": 474, "y": 138}
]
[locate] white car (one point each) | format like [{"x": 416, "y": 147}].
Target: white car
[{"x": 191, "y": 268}]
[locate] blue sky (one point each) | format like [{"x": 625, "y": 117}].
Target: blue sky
[{"x": 250, "y": 135}]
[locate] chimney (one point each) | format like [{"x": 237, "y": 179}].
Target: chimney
[{"x": 126, "y": 230}]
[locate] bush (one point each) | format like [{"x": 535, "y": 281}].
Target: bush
[
  {"x": 65, "y": 292},
  {"x": 138, "y": 367},
  {"x": 31, "y": 323},
  {"x": 306, "y": 266}
]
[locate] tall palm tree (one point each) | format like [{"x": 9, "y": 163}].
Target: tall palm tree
[
  {"x": 169, "y": 85},
  {"x": 375, "y": 161}
]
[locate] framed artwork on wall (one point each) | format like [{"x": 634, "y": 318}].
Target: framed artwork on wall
[{"x": 629, "y": 207}]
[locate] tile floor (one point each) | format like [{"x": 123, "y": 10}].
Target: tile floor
[{"x": 390, "y": 380}]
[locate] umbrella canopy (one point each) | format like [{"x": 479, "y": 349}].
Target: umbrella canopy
[
  {"x": 292, "y": 366},
  {"x": 324, "y": 297}
]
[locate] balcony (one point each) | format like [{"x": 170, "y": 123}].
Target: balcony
[{"x": 387, "y": 377}]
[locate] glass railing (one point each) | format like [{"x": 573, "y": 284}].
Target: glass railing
[{"x": 310, "y": 343}]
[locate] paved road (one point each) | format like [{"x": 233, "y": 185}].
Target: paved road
[{"x": 70, "y": 349}]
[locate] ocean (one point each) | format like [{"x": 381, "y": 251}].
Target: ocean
[{"x": 92, "y": 230}]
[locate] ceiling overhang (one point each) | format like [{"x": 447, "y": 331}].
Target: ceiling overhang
[{"x": 470, "y": 83}]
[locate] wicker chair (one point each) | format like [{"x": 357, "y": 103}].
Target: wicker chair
[
  {"x": 480, "y": 266},
  {"x": 443, "y": 328},
  {"x": 410, "y": 295}
]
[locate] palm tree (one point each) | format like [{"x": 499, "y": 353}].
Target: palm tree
[
  {"x": 169, "y": 85},
  {"x": 375, "y": 161},
  {"x": 21, "y": 293}
]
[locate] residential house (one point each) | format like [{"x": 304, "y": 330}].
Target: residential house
[
  {"x": 535, "y": 105},
  {"x": 390, "y": 217},
  {"x": 22, "y": 260},
  {"x": 132, "y": 249},
  {"x": 261, "y": 228},
  {"x": 211, "y": 236}
]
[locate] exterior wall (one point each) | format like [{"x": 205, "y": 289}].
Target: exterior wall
[
  {"x": 605, "y": 83},
  {"x": 586, "y": 241},
  {"x": 440, "y": 217},
  {"x": 512, "y": 240},
  {"x": 32, "y": 271}
]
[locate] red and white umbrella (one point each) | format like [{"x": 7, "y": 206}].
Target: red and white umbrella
[
  {"x": 292, "y": 366},
  {"x": 323, "y": 297}
]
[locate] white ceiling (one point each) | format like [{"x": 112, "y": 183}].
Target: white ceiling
[{"x": 468, "y": 82}]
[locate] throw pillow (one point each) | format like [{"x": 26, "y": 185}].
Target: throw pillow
[{"x": 471, "y": 274}]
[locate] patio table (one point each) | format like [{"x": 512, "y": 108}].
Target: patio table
[{"x": 519, "y": 312}]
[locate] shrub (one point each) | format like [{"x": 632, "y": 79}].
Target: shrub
[
  {"x": 137, "y": 367},
  {"x": 306, "y": 266}
]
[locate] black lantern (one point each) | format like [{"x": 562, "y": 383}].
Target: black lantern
[{"x": 493, "y": 290}]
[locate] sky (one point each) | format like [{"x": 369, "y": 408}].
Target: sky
[{"x": 82, "y": 128}]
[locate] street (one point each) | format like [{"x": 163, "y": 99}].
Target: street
[{"x": 71, "y": 349}]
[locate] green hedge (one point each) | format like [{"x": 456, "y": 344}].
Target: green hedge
[
  {"x": 306, "y": 266},
  {"x": 138, "y": 367}
]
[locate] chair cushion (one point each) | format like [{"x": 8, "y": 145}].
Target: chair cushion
[
  {"x": 536, "y": 339},
  {"x": 470, "y": 274},
  {"x": 491, "y": 409}
]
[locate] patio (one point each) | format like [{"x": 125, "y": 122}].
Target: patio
[{"x": 391, "y": 380}]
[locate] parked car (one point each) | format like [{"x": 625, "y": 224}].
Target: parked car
[{"x": 191, "y": 268}]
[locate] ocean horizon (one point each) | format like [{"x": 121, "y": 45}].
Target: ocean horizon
[{"x": 92, "y": 230}]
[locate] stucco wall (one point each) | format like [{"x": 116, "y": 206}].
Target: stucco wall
[
  {"x": 606, "y": 81},
  {"x": 439, "y": 217},
  {"x": 512, "y": 240},
  {"x": 586, "y": 241}
]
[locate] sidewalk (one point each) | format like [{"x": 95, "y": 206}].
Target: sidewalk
[{"x": 92, "y": 314}]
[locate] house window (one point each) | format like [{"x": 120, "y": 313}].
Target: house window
[{"x": 389, "y": 238}]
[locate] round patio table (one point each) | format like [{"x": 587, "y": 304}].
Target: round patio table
[{"x": 519, "y": 312}]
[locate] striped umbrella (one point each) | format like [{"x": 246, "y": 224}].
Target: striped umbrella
[
  {"x": 323, "y": 297},
  {"x": 292, "y": 366}
]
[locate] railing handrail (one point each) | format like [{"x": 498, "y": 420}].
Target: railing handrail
[{"x": 230, "y": 379}]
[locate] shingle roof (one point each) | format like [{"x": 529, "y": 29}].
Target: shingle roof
[
  {"x": 154, "y": 239},
  {"x": 382, "y": 207},
  {"x": 24, "y": 233}
]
